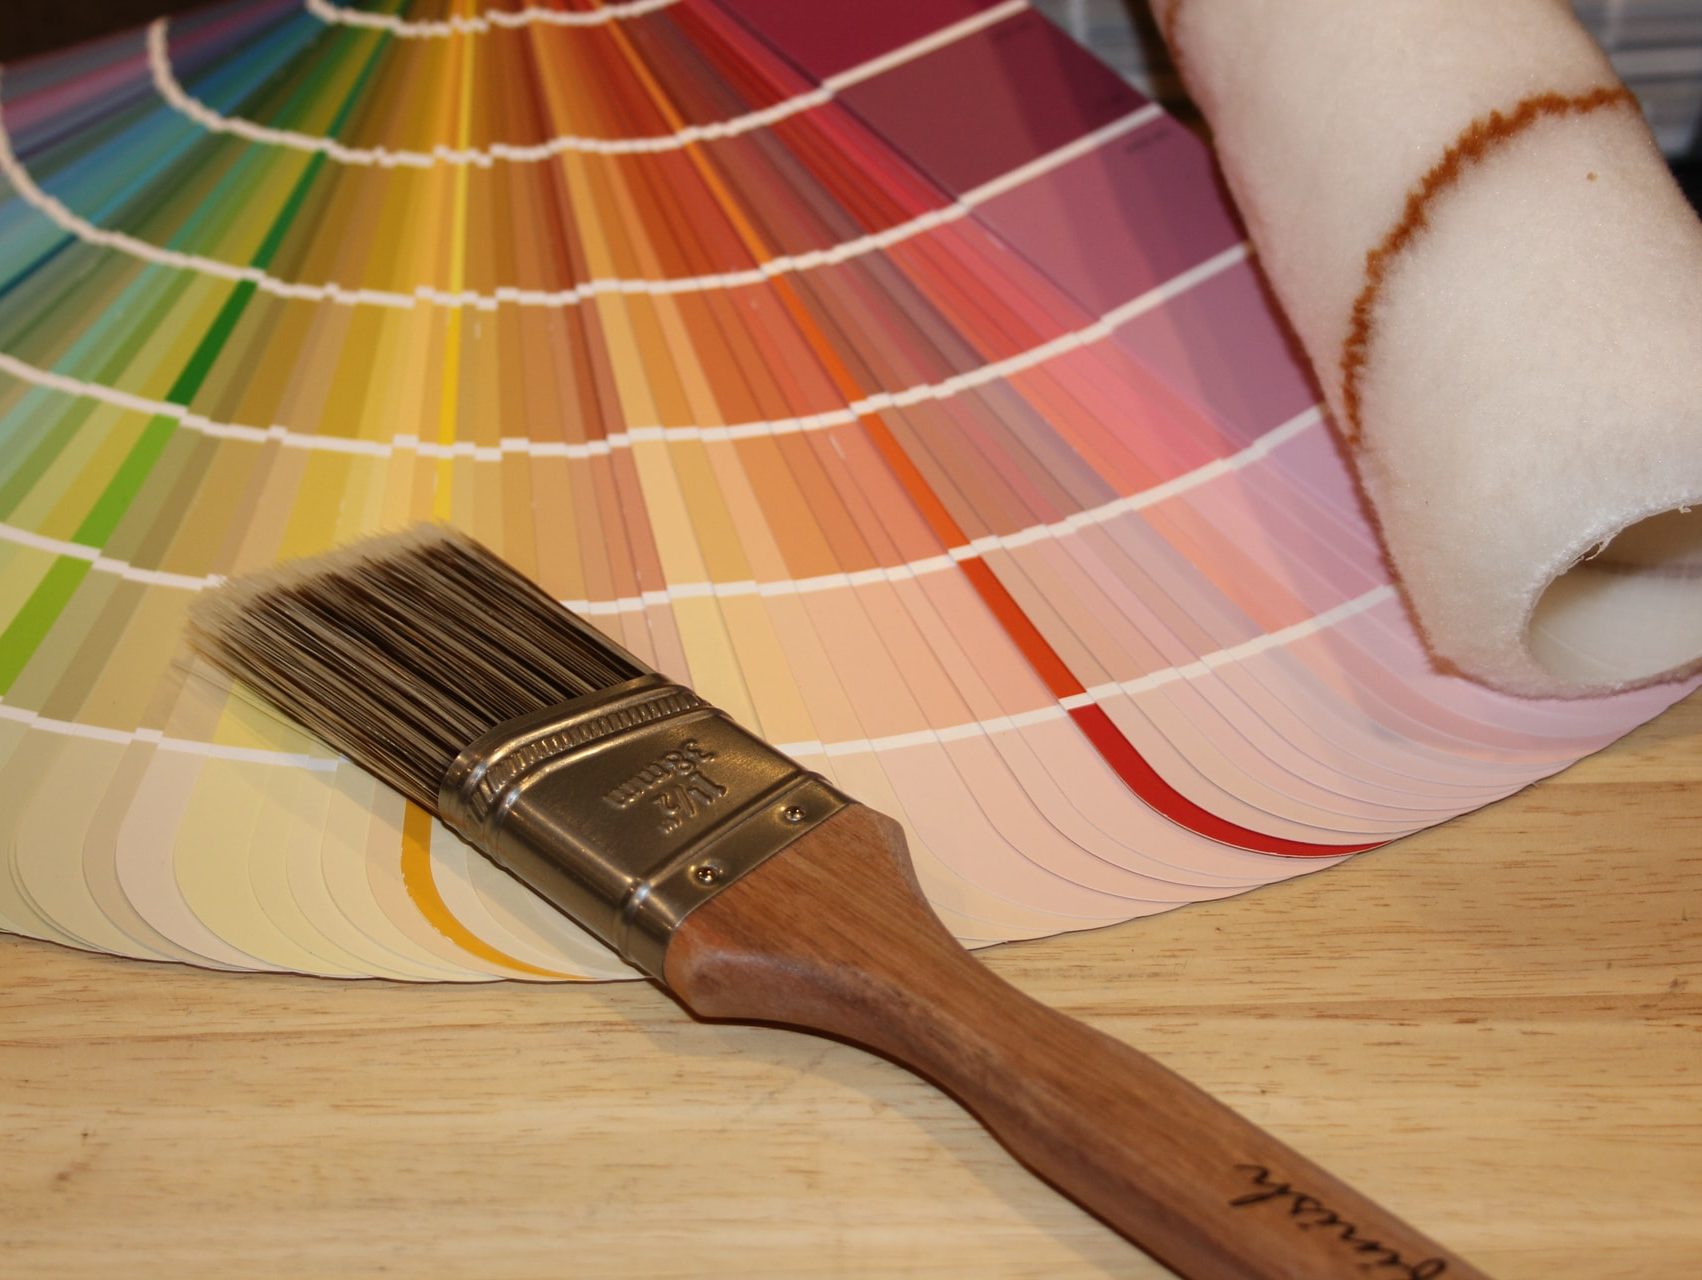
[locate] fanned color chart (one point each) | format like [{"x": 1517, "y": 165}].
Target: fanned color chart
[{"x": 891, "y": 372}]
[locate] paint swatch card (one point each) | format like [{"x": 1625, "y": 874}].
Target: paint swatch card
[{"x": 892, "y": 373}]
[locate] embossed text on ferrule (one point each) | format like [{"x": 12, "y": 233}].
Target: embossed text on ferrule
[
  {"x": 674, "y": 782},
  {"x": 521, "y": 757}
]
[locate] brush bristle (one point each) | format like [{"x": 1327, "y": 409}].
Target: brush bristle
[{"x": 401, "y": 650}]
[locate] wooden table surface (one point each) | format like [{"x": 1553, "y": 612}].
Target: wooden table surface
[{"x": 1495, "y": 1027}]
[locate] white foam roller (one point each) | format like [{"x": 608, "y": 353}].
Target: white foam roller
[{"x": 1500, "y": 288}]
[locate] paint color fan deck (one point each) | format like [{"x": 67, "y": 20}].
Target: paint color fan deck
[{"x": 891, "y": 372}]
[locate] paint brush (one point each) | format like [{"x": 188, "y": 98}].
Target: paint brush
[{"x": 752, "y": 889}]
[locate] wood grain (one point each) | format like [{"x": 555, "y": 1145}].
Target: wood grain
[
  {"x": 835, "y": 936},
  {"x": 1495, "y": 1025}
]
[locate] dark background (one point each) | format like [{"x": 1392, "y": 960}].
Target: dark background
[{"x": 31, "y": 26}]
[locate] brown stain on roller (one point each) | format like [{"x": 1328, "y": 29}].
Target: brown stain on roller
[
  {"x": 1477, "y": 140},
  {"x": 1164, "y": 13},
  {"x": 1164, "y": 16}
]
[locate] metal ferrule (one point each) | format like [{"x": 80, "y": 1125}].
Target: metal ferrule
[{"x": 628, "y": 808}]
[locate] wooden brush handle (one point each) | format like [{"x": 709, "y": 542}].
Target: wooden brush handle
[{"x": 834, "y": 935}]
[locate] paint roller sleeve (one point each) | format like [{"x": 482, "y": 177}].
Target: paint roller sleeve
[{"x": 1500, "y": 289}]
